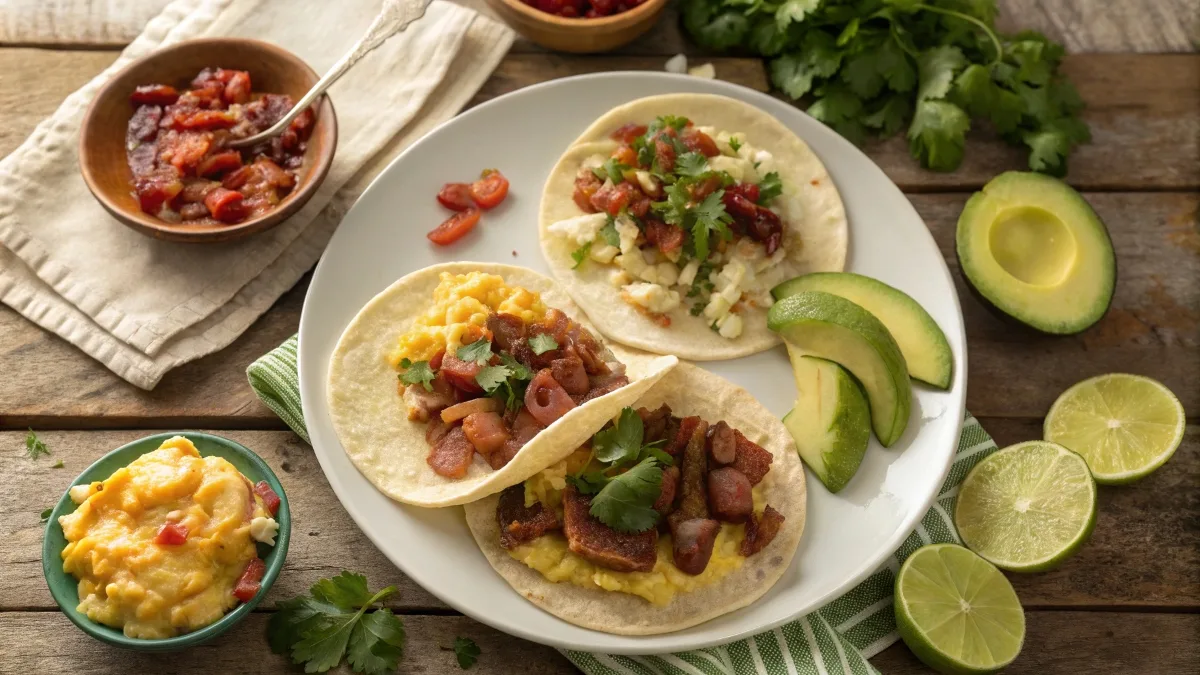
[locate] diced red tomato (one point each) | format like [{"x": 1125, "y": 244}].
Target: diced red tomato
[
  {"x": 705, "y": 187},
  {"x": 640, "y": 205},
  {"x": 251, "y": 580},
  {"x": 698, "y": 141},
  {"x": 747, "y": 190},
  {"x": 455, "y": 227},
  {"x": 627, "y": 133},
  {"x": 237, "y": 88},
  {"x": 612, "y": 198},
  {"x": 154, "y": 94},
  {"x": 171, "y": 534},
  {"x": 435, "y": 364},
  {"x": 219, "y": 163},
  {"x": 202, "y": 120},
  {"x": 455, "y": 196},
  {"x": 155, "y": 190},
  {"x": 666, "y": 237},
  {"x": 586, "y": 185},
  {"x": 269, "y": 498},
  {"x": 626, "y": 155},
  {"x": 186, "y": 150},
  {"x": 225, "y": 205},
  {"x": 490, "y": 189},
  {"x": 664, "y": 154}
]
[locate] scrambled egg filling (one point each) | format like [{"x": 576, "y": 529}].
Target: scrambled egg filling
[
  {"x": 550, "y": 555},
  {"x": 461, "y": 304},
  {"x": 152, "y": 590}
]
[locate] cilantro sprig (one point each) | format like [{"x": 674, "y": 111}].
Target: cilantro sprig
[
  {"x": 542, "y": 343},
  {"x": 935, "y": 67},
  {"x": 506, "y": 380},
  {"x": 466, "y": 652},
  {"x": 34, "y": 447},
  {"x": 417, "y": 372}
]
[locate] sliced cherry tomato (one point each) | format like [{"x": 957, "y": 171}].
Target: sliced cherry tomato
[
  {"x": 628, "y": 133},
  {"x": 455, "y": 196},
  {"x": 248, "y": 584},
  {"x": 490, "y": 189},
  {"x": 698, "y": 141},
  {"x": 270, "y": 499},
  {"x": 455, "y": 227},
  {"x": 171, "y": 534}
]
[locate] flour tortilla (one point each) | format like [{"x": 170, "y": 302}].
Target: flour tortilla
[
  {"x": 371, "y": 419},
  {"x": 689, "y": 390},
  {"x": 821, "y": 230}
]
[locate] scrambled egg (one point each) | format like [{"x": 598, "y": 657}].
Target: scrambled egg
[
  {"x": 128, "y": 581},
  {"x": 461, "y": 304},
  {"x": 549, "y": 554}
]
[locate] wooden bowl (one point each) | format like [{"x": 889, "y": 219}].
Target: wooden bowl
[
  {"x": 579, "y": 36},
  {"x": 272, "y": 70}
]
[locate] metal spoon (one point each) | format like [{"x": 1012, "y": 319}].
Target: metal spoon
[{"x": 394, "y": 16}]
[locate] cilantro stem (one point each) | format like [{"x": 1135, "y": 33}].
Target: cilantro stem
[{"x": 967, "y": 17}]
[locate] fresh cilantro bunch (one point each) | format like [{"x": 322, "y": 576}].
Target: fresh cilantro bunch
[
  {"x": 339, "y": 619},
  {"x": 875, "y": 67},
  {"x": 629, "y": 480},
  {"x": 506, "y": 380}
]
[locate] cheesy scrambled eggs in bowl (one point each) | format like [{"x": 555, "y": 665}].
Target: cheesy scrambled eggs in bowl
[{"x": 162, "y": 544}]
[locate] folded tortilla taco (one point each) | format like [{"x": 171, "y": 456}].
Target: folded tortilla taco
[
  {"x": 671, "y": 218},
  {"x": 689, "y": 505},
  {"x": 462, "y": 379}
]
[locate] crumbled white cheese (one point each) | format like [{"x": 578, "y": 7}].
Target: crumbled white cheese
[
  {"x": 717, "y": 306},
  {"x": 580, "y": 229},
  {"x": 677, "y": 64},
  {"x": 688, "y": 274},
  {"x": 653, "y": 297},
  {"x": 593, "y": 161},
  {"x": 668, "y": 273},
  {"x": 632, "y": 262},
  {"x": 628, "y": 232},
  {"x": 649, "y": 183},
  {"x": 737, "y": 168},
  {"x": 604, "y": 253},
  {"x": 619, "y": 277},
  {"x": 652, "y": 256},
  {"x": 673, "y": 254},
  {"x": 765, "y": 162},
  {"x": 80, "y": 493},
  {"x": 705, "y": 70},
  {"x": 264, "y": 530},
  {"x": 730, "y": 327},
  {"x": 732, "y": 294},
  {"x": 649, "y": 273}
]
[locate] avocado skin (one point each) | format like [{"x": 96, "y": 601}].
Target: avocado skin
[{"x": 1004, "y": 316}]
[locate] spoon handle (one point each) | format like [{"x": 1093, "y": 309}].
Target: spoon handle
[{"x": 394, "y": 16}]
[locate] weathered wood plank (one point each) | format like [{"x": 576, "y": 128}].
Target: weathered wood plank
[
  {"x": 1152, "y": 329},
  {"x": 1144, "y": 552}
]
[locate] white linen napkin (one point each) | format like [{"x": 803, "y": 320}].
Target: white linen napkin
[{"x": 143, "y": 306}]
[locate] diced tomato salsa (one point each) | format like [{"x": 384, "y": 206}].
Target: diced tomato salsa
[
  {"x": 171, "y": 534},
  {"x": 251, "y": 580},
  {"x": 583, "y": 9},
  {"x": 177, "y": 148}
]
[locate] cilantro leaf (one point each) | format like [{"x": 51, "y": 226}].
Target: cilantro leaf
[
  {"x": 45, "y": 515},
  {"x": 581, "y": 254},
  {"x": 609, "y": 233},
  {"x": 714, "y": 27},
  {"x": 658, "y": 454},
  {"x": 620, "y": 442},
  {"x": 766, "y": 37},
  {"x": 589, "y": 483},
  {"x": 417, "y": 372},
  {"x": 626, "y": 503},
  {"x": 769, "y": 188},
  {"x": 479, "y": 351},
  {"x": 335, "y": 621},
  {"x": 507, "y": 380},
  {"x": 34, "y": 447},
  {"x": 542, "y": 343},
  {"x": 491, "y": 377},
  {"x": 709, "y": 216},
  {"x": 794, "y": 72},
  {"x": 794, "y": 11},
  {"x": 691, "y": 164},
  {"x": 937, "y": 67},
  {"x": 735, "y": 143},
  {"x": 612, "y": 170},
  {"x": 466, "y": 651},
  {"x": 840, "y": 108},
  {"x": 889, "y": 117},
  {"x": 938, "y": 133}
]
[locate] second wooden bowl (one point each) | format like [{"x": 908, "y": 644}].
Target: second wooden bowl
[
  {"x": 272, "y": 70},
  {"x": 579, "y": 36}
]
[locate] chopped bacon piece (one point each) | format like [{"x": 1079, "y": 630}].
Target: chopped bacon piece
[
  {"x": 143, "y": 126},
  {"x": 225, "y": 205},
  {"x": 251, "y": 580},
  {"x": 664, "y": 155},
  {"x": 684, "y": 432},
  {"x": 486, "y": 431},
  {"x": 460, "y": 411},
  {"x": 667, "y": 238},
  {"x": 698, "y": 141},
  {"x": 520, "y": 524},
  {"x": 692, "y": 543},
  {"x": 219, "y": 163},
  {"x": 202, "y": 120},
  {"x": 569, "y": 373},
  {"x": 461, "y": 374},
  {"x": 524, "y": 428},
  {"x": 592, "y": 540},
  {"x": 156, "y": 189},
  {"x": 693, "y": 466},
  {"x": 722, "y": 444},
  {"x": 761, "y": 530},
  {"x": 628, "y": 133},
  {"x": 270, "y": 500},
  {"x": 586, "y": 185},
  {"x": 154, "y": 94},
  {"x": 729, "y": 497},
  {"x": 452, "y": 455},
  {"x": 612, "y": 198},
  {"x": 752, "y": 460},
  {"x": 654, "y": 423},
  {"x": 507, "y": 330},
  {"x": 546, "y": 399},
  {"x": 171, "y": 534},
  {"x": 436, "y": 430},
  {"x": 666, "y": 494}
]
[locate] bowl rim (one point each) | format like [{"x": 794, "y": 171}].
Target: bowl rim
[
  {"x": 628, "y": 16},
  {"x": 154, "y": 227},
  {"x": 113, "y": 636}
]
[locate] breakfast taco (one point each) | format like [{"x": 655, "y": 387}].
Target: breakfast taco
[
  {"x": 689, "y": 505},
  {"x": 462, "y": 379},
  {"x": 671, "y": 218}
]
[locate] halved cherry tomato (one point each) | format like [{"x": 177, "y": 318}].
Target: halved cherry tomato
[
  {"x": 455, "y": 227},
  {"x": 455, "y": 196},
  {"x": 248, "y": 584},
  {"x": 269, "y": 498},
  {"x": 171, "y": 534},
  {"x": 490, "y": 189}
]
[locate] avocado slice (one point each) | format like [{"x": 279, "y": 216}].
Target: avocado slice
[
  {"x": 1032, "y": 249},
  {"x": 830, "y": 422},
  {"x": 923, "y": 344},
  {"x": 833, "y": 328}
]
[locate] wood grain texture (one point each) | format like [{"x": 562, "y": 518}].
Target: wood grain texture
[{"x": 1145, "y": 551}]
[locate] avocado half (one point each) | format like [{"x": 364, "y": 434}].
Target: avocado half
[{"x": 1033, "y": 250}]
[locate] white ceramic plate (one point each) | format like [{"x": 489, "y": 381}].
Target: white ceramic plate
[{"x": 847, "y": 536}]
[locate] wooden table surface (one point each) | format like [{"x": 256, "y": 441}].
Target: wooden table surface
[{"x": 1128, "y": 602}]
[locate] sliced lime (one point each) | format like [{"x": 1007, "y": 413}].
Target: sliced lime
[
  {"x": 1125, "y": 426},
  {"x": 1027, "y": 507},
  {"x": 957, "y": 612}
]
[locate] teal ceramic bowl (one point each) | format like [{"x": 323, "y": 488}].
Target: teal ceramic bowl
[{"x": 63, "y": 586}]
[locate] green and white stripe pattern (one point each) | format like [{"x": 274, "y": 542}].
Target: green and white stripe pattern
[{"x": 835, "y": 640}]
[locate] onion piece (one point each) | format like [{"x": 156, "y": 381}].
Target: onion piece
[{"x": 460, "y": 410}]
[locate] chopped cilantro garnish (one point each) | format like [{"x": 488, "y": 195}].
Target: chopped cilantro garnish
[
  {"x": 466, "y": 651},
  {"x": 491, "y": 377},
  {"x": 769, "y": 188},
  {"x": 417, "y": 372},
  {"x": 620, "y": 442},
  {"x": 507, "y": 380},
  {"x": 626, "y": 502},
  {"x": 479, "y": 351},
  {"x": 609, "y": 233},
  {"x": 580, "y": 254},
  {"x": 542, "y": 343},
  {"x": 34, "y": 447},
  {"x": 612, "y": 170},
  {"x": 45, "y": 515},
  {"x": 691, "y": 164},
  {"x": 735, "y": 143}
]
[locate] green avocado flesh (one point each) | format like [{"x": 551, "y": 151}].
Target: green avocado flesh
[
  {"x": 833, "y": 328},
  {"x": 1031, "y": 248},
  {"x": 923, "y": 344},
  {"x": 830, "y": 422}
]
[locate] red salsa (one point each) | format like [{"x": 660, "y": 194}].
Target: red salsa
[
  {"x": 177, "y": 147},
  {"x": 585, "y": 9}
]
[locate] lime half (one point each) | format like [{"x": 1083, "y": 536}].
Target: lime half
[
  {"x": 957, "y": 612},
  {"x": 1125, "y": 426},
  {"x": 1027, "y": 507}
]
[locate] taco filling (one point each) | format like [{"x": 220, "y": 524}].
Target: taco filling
[
  {"x": 653, "y": 506},
  {"x": 687, "y": 216},
  {"x": 489, "y": 366}
]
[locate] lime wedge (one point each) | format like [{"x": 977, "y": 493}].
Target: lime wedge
[
  {"x": 1028, "y": 507},
  {"x": 956, "y": 612},
  {"x": 1125, "y": 426}
]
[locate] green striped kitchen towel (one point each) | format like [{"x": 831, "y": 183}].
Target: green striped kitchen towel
[{"x": 834, "y": 640}]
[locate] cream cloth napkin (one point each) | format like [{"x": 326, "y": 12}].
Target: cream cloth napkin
[{"x": 143, "y": 306}]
